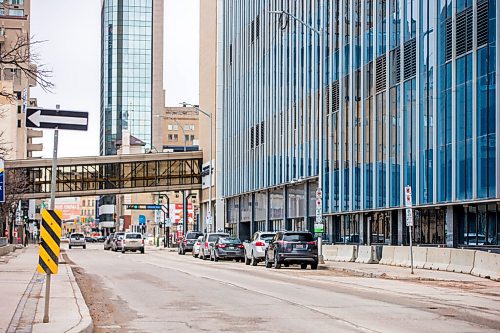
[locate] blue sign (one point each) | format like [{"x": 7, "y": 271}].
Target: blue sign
[
  {"x": 2, "y": 181},
  {"x": 142, "y": 220},
  {"x": 153, "y": 207}
]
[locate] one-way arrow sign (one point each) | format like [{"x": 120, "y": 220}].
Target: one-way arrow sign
[{"x": 65, "y": 120}]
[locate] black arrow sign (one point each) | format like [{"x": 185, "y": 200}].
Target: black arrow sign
[{"x": 65, "y": 120}]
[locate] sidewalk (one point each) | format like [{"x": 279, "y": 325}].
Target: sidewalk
[
  {"x": 399, "y": 273},
  {"x": 22, "y": 294}
]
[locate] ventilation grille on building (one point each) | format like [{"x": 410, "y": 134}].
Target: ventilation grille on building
[
  {"x": 449, "y": 39},
  {"x": 482, "y": 23},
  {"x": 381, "y": 73},
  {"x": 257, "y": 27},
  {"x": 257, "y": 135},
  {"x": 251, "y": 138},
  {"x": 464, "y": 31},
  {"x": 336, "y": 96},
  {"x": 410, "y": 60},
  {"x": 261, "y": 132},
  {"x": 397, "y": 65}
]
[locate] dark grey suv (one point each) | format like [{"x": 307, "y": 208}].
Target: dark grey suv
[
  {"x": 186, "y": 244},
  {"x": 292, "y": 247}
]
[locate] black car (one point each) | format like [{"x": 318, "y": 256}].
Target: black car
[
  {"x": 228, "y": 248},
  {"x": 90, "y": 239},
  {"x": 292, "y": 247},
  {"x": 186, "y": 244}
]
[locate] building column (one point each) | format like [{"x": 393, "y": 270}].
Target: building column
[
  {"x": 399, "y": 223},
  {"x": 449, "y": 228}
]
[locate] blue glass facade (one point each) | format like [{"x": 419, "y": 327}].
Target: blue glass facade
[
  {"x": 409, "y": 98},
  {"x": 126, "y": 71}
]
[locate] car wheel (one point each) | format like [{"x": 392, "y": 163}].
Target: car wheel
[
  {"x": 195, "y": 255},
  {"x": 287, "y": 265},
  {"x": 142, "y": 250},
  {"x": 84, "y": 247},
  {"x": 123, "y": 251},
  {"x": 314, "y": 266},
  {"x": 247, "y": 261},
  {"x": 253, "y": 261},
  {"x": 303, "y": 266},
  {"x": 276, "y": 264},
  {"x": 268, "y": 263},
  {"x": 204, "y": 256},
  {"x": 70, "y": 247}
]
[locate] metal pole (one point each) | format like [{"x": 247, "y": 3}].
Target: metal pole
[
  {"x": 320, "y": 140},
  {"x": 53, "y": 183},
  {"x": 411, "y": 248},
  {"x": 210, "y": 174}
]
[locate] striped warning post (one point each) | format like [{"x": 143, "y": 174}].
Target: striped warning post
[{"x": 48, "y": 260}]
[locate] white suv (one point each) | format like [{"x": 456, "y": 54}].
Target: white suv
[{"x": 77, "y": 239}]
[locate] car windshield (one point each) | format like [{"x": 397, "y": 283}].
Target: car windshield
[
  {"x": 266, "y": 237},
  {"x": 297, "y": 237},
  {"x": 230, "y": 240},
  {"x": 76, "y": 235},
  {"x": 192, "y": 235},
  {"x": 213, "y": 237},
  {"x": 133, "y": 236}
]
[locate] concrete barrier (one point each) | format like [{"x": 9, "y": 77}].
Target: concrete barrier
[
  {"x": 461, "y": 261},
  {"x": 330, "y": 252},
  {"x": 419, "y": 256},
  {"x": 367, "y": 255},
  {"x": 387, "y": 255},
  {"x": 438, "y": 258},
  {"x": 487, "y": 265},
  {"x": 346, "y": 253},
  {"x": 7, "y": 249},
  {"x": 402, "y": 256}
]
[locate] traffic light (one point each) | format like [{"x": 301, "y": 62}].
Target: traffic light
[{"x": 24, "y": 210}]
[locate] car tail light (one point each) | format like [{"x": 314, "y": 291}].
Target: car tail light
[
  {"x": 220, "y": 246},
  {"x": 206, "y": 245},
  {"x": 240, "y": 246},
  {"x": 197, "y": 243},
  {"x": 260, "y": 243},
  {"x": 311, "y": 243},
  {"x": 143, "y": 241}
]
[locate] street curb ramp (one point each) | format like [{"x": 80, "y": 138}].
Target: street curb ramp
[{"x": 487, "y": 265}]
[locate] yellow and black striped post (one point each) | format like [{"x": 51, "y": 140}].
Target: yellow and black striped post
[{"x": 48, "y": 260}]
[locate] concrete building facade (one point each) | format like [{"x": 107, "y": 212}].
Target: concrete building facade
[
  {"x": 15, "y": 28},
  {"x": 408, "y": 99}
]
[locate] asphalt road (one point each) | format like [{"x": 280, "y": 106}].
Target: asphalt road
[{"x": 161, "y": 291}]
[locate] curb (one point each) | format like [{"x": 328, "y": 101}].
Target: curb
[
  {"x": 85, "y": 325},
  {"x": 360, "y": 273}
]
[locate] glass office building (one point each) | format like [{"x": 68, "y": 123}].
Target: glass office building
[
  {"x": 408, "y": 98},
  {"x": 126, "y": 71}
]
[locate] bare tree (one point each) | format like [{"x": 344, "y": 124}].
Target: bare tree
[
  {"x": 20, "y": 56},
  {"x": 17, "y": 184}
]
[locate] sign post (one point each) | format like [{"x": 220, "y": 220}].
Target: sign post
[
  {"x": 2, "y": 181},
  {"x": 409, "y": 220},
  {"x": 54, "y": 119},
  {"x": 318, "y": 224}
]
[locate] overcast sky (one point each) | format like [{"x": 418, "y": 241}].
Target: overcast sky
[{"x": 71, "y": 29}]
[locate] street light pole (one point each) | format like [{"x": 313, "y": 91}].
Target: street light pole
[
  {"x": 319, "y": 192},
  {"x": 209, "y": 115}
]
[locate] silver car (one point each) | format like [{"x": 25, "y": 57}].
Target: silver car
[
  {"x": 77, "y": 239},
  {"x": 255, "y": 250},
  {"x": 207, "y": 242},
  {"x": 132, "y": 241},
  {"x": 197, "y": 246}
]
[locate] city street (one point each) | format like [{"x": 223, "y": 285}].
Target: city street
[{"x": 162, "y": 291}]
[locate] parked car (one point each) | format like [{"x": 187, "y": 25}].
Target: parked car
[
  {"x": 108, "y": 241},
  {"x": 77, "y": 239},
  {"x": 292, "y": 247},
  {"x": 475, "y": 239},
  {"x": 208, "y": 240},
  {"x": 255, "y": 249},
  {"x": 196, "y": 246},
  {"x": 132, "y": 241},
  {"x": 90, "y": 239},
  {"x": 115, "y": 243},
  {"x": 101, "y": 239},
  {"x": 227, "y": 248},
  {"x": 186, "y": 243}
]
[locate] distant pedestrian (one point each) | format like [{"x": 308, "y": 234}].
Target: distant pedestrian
[{"x": 26, "y": 237}]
